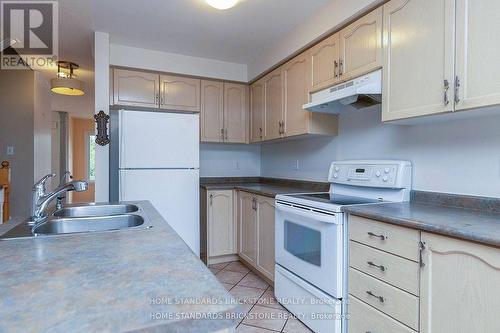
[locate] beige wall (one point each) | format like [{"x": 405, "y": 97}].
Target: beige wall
[
  {"x": 16, "y": 129},
  {"x": 78, "y": 132}
]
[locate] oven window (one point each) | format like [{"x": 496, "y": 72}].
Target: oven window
[{"x": 303, "y": 242}]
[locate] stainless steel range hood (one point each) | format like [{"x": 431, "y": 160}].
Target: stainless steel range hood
[{"x": 361, "y": 92}]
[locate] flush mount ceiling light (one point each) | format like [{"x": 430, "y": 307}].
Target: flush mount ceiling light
[
  {"x": 65, "y": 83},
  {"x": 222, "y": 4}
]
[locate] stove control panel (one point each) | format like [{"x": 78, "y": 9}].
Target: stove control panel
[{"x": 390, "y": 174}]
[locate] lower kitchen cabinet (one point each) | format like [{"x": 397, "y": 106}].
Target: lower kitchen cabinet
[
  {"x": 247, "y": 227},
  {"x": 256, "y": 232},
  {"x": 265, "y": 236},
  {"x": 460, "y": 286},
  {"x": 220, "y": 232}
]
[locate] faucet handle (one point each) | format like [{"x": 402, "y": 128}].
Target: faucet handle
[
  {"x": 67, "y": 175},
  {"x": 41, "y": 183}
]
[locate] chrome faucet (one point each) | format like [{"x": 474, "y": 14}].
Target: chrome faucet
[{"x": 41, "y": 199}]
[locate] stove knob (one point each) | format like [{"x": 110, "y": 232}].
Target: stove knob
[
  {"x": 335, "y": 175},
  {"x": 386, "y": 170},
  {"x": 337, "y": 169},
  {"x": 385, "y": 178},
  {"x": 378, "y": 173}
]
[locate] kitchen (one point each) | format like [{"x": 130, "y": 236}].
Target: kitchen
[{"x": 401, "y": 163}]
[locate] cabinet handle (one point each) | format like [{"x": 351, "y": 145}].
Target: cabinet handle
[
  {"x": 446, "y": 87},
  {"x": 422, "y": 249},
  {"x": 222, "y": 134},
  {"x": 457, "y": 90},
  {"x": 226, "y": 133},
  {"x": 157, "y": 99},
  {"x": 211, "y": 199},
  {"x": 380, "y": 298},
  {"x": 260, "y": 130},
  {"x": 254, "y": 204},
  {"x": 382, "y": 268},
  {"x": 371, "y": 234},
  {"x": 341, "y": 67},
  {"x": 335, "y": 68}
]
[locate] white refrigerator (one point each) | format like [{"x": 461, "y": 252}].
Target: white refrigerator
[{"x": 159, "y": 162}]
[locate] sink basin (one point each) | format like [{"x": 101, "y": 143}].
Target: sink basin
[
  {"x": 96, "y": 210},
  {"x": 89, "y": 224}
]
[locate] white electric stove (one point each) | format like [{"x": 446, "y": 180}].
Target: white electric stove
[{"x": 311, "y": 238}]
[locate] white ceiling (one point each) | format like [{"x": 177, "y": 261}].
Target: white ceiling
[{"x": 191, "y": 27}]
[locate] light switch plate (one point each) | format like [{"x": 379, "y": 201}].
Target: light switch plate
[{"x": 10, "y": 150}]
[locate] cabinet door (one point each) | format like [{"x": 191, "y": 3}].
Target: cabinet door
[
  {"x": 135, "y": 88},
  {"x": 256, "y": 111},
  {"x": 325, "y": 63},
  {"x": 361, "y": 46},
  {"x": 418, "y": 58},
  {"x": 265, "y": 236},
  {"x": 478, "y": 52},
  {"x": 247, "y": 227},
  {"x": 459, "y": 286},
  {"x": 179, "y": 93},
  {"x": 235, "y": 112},
  {"x": 295, "y": 82},
  {"x": 211, "y": 111},
  {"x": 273, "y": 105},
  {"x": 221, "y": 228}
]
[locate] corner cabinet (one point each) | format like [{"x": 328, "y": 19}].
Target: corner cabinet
[
  {"x": 179, "y": 93},
  {"x": 257, "y": 111},
  {"x": 256, "y": 232},
  {"x": 211, "y": 115},
  {"x": 135, "y": 88},
  {"x": 460, "y": 286},
  {"x": 235, "y": 112},
  {"x": 224, "y": 112}
]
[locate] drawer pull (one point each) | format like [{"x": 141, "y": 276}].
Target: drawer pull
[
  {"x": 371, "y": 234},
  {"x": 380, "y": 298},
  {"x": 382, "y": 268}
]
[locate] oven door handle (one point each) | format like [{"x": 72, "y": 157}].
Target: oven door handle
[{"x": 325, "y": 218}]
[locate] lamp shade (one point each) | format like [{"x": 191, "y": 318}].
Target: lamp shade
[{"x": 67, "y": 86}]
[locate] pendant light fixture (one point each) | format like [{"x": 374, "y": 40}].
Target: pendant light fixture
[
  {"x": 65, "y": 83},
  {"x": 222, "y": 4}
]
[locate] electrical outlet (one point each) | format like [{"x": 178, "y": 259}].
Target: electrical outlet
[
  {"x": 10, "y": 150},
  {"x": 237, "y": 165},
  {"x": 296, "y": 165}
]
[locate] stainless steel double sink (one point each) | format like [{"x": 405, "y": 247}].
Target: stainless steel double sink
[{"x": 84, "y": 219}]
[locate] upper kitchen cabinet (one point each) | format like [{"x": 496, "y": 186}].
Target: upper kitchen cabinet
[
  {"x": 297, "y": 121},
  {"x": 257, "y": 111},
  {"x": 478, "y": 51},
  {"x": 361, "y": 46},
  {"x": 235, "y": 112},
  {"x": 135, "y": 88},
  {"x": 212, "y": 114},
  {"x": 273, "y": 105},
  {"x": 179, "y": 93},
  {"x": 325, "y": 63},
  {"x": 418, "y": 57}
]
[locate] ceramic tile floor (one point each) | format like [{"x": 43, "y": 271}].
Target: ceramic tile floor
[{"x": 263, "y": 313}]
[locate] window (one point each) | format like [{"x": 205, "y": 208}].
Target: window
[{"x": 90, "y": 156}]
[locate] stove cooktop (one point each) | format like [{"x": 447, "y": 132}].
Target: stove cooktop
[{"x": 334, "y": 199}]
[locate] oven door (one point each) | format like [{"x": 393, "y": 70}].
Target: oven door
[{"x": 309, "y": 244}]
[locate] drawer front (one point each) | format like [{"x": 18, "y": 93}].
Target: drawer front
[
  {"x": 392, "y": 301},
  {"x": 363, "y": 318},
  {"x": 387, "y": 267},
  {"x": 384, "y": 236}
]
